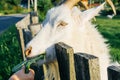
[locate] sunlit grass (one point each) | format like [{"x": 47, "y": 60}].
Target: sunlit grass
[{"x": 110, "y": 29}]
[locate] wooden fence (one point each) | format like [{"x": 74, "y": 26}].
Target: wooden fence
[
  {"x": 80, "y": 66},
  {"x": 27, "y": 28}
]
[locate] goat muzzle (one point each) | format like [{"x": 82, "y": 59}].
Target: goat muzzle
[{"x": 28, "y": 51}]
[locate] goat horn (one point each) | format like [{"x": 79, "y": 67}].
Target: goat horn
[
  {"x": 71, "y": 3},
  {"x": 112, "y": 5}
]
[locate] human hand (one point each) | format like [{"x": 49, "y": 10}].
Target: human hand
[{"x": 21, "y": 75}]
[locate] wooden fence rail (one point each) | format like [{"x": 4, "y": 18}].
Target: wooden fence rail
[
  {"x": 86, "y": 67},
  {"x": 65, "y": 57},
  {"x": 114, "y": 73},
  {"x": 79, "y": 66}
]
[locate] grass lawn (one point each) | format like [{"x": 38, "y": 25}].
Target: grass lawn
[
  {"x": 10, "y": 53},
  {"x": 110, "y": 28}
]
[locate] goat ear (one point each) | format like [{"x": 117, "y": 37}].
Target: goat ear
[
  {"x": 62, "y": 23},
  {"x": 91, "y": 13}
]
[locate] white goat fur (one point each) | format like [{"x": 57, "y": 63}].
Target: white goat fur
[{"x": 79, "y": 33}]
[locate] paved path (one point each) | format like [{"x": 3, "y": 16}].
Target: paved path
[{"x": 9, "y": 20}]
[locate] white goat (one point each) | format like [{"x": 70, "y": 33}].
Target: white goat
[{"x": 68, "y": 24}]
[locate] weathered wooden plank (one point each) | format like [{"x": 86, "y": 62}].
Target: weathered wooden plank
[
  {"x": 45, "y": 72},
  {"x": 86, "y": 67},
  {"x": 51, "y": 71},
  {"x": 34, "y": 17},
  {"x": 24, "y": 22},
  {"x": 65, "y": 59},
  {"x": 21, "y": 25},
  {"x": 113, "y": 73},
  {"x": 21, "y": 37},
  {"x": 34, "y": 28},
  {"x": 27, "y": 36}
]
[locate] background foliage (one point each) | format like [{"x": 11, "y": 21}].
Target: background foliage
[
  {"x": 10, "y": 53},
  {"x": 43, "y": 6},
  {"x": 11, "y": 6}
]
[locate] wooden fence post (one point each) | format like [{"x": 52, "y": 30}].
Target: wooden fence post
[
  {"x": 21, "y": 25},
  {"x": 86, "y": 67},
  {"x": 113, "y": 73},
  {"x": 21, "y": 37},
  {"x": 34, "y": 17},
  {"x": 34, "y": 28},
  {"x": 65, "y": 59},
  {"x": 53, "y": 67},
  {"x": 27, "y": 35}
]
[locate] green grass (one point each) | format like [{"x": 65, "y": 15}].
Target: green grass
[
  {"x": 10, "y": 53},
  {"x": 110, "y": 29}
]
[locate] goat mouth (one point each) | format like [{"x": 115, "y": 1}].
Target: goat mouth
[{"x": 42, "y": 56}]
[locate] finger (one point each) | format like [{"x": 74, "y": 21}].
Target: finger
[{"x": 31, "y": 74}]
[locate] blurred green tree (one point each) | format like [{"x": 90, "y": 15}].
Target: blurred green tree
[
  {"x": 13, "y": 2},
  {"x": 44, "y": 5},
  {"x": 116, "y": 2},
  {"x": 9, "y": 4}
]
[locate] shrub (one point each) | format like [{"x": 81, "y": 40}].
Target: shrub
[{"x": 10, "y": 53}]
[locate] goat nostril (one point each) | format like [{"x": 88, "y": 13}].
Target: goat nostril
[{"x": 28, "y": 51}]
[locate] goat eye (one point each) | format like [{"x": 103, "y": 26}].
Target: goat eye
[{"x": 62, "y": 23}]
